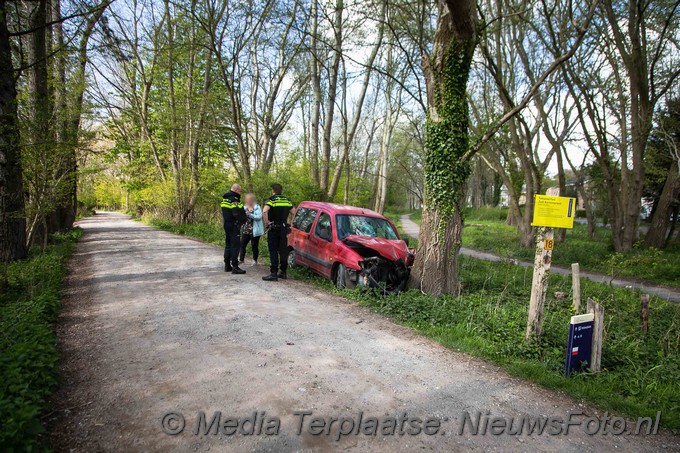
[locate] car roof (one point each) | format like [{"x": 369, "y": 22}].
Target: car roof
[{"x": 334, "y": 208}]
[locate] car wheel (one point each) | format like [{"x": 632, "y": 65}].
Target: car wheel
[
  {"x": 292, "y": 258},
  {"x": 341, "y": 276}
]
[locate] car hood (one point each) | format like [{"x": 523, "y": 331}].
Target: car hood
[{"x": 389, "y": 249}]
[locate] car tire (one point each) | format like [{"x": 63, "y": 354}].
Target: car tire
[
  {"x": 341, "y": 276},
  {"x": 292, "y": 262}
]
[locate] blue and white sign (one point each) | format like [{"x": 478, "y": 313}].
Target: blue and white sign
[{"x": 579, "y": 346}]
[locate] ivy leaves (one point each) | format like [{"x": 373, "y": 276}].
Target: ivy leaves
[{"x": 447, "y": 138}]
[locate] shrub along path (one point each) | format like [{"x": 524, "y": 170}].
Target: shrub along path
[
  {"x": 152, "y": 324},
  {"x": 412, "y": 229}
]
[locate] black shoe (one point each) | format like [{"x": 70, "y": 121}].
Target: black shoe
[
  {"x": 237, "y": 270},
  {"x": 227, "y": 268},
  {"x": 282, "y": 275},
  {"x": 270, "y": 278}
]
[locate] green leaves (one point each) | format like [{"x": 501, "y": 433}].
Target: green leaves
[
  {"x": 28, "y": 357},
  {"x": 446, "y": 139},
  {"x": 641, "y": 372}
]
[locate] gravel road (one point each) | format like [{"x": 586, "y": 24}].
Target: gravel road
[{"x": 151, "y": 324}]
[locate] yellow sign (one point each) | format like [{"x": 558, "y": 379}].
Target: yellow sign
[
  {"x": 555, "y": 212},
  {"x": 548, "y": 244}
]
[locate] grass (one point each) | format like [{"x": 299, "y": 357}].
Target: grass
[
  {"x": 641, "y": 373},
  {"x": 595, "y": 255},
  {"x": 485, "y": 230},
  {"x": 29, "y": 302}
]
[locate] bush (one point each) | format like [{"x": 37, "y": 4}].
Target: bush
[{"x": 29, "y": 303}]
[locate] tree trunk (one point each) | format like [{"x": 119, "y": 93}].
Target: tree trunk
[
  {"x": 381, "y": 193},
  {"x": 658, "y": 230},
  {"x": 447, "y": 69},
  {"x": 561, "y": 233},
  {"x": 671, "y": 231},
  {"x": 330, "y": 101},
  {"x": 316, "y": 90},
  {"x": 65, "y": 213},
  {"x": 497, "y": 186},
  {"x": 175, "y": 152},
  {"x": 12, "y": 221},
  {"x": 385, "y": 143},
  {"x": 41, "y": 138}
]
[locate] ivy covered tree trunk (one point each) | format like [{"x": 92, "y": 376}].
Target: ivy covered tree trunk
[{"x": 446, "y": 69}]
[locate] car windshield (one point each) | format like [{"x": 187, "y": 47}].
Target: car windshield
[{"x": 361, "y": 225}]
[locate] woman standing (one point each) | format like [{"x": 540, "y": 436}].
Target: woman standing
[{"x": 252, "y": 229}]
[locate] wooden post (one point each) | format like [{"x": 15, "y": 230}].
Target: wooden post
[
  {"x": 539, "y": 284},
  {"x": 576, "y": 286},
  {"x": 644, "y": 312},
  {"x": 598, "y": 334}
]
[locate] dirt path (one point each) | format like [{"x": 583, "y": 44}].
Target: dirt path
[
  {"x": 151, "y": 324},
  {"x": 412, "y": 229}
]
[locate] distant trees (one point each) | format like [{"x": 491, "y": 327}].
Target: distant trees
[
  {"x": 354, "y": 102},
  {"x": 628, "y": 64}
]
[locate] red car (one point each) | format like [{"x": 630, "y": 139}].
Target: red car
[{"x": 350, "y": 246}]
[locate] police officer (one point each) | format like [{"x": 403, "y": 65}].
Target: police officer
[
  {"x": 234, "y": 216},
  {"x": 275, "y": 213}
]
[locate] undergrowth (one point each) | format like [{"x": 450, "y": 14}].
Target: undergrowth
[{"x": 29, "y": 302}]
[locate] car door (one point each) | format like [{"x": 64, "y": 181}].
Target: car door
[
  {"x": 301, "y": 229},
  {"x": 319, "y": 245}
]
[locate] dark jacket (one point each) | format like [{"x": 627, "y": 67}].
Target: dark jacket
[
  {"x": 279, "y": 208},
  {"x": 232, "y": 209}
]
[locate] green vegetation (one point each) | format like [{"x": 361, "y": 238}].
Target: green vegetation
[
  {"x": 641, "y": 373},
  {"x": 29, "y": 302},
  {"x": 486, "y": 230},
  {"x": 209, "y": 232},
  {"x": 417, "y": 216}
]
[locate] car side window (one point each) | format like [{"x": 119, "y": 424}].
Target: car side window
[
  {"x": 299, "y": 215},
  {"x": 304, "y": 218},
  {"x": 324, "y": 229}
]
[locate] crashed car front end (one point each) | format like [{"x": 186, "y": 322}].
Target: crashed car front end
[
  {"x": 387, "y": 276},
  {"x": 385, "y": 265}
]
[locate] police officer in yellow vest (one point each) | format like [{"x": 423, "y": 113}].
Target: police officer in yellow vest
[
  {"x": 275, "y": 213},
  {"x": 234, "y": 216}
]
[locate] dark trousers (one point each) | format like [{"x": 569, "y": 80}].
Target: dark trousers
[
  {"x": 277, "y": 242},
  {"x": 245, "y": 238},
  {"x": 231, "y": 244}
]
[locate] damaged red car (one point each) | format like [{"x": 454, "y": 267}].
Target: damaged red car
[{"x": 350, "y": 246}]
